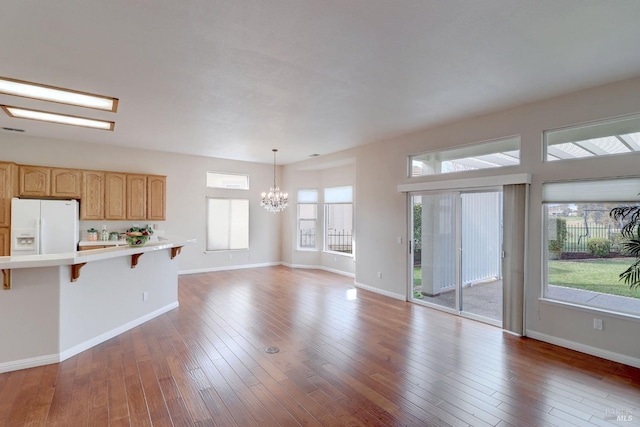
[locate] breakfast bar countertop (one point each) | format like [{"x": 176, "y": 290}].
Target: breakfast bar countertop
[{"x": 79, "y": 257}]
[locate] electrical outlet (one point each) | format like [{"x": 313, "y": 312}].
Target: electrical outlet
[
  {"x": 379, "y": 275},
  {"x": 597, "y": 324},
  {"x": 230, "y": 256},
  {"x": 145, "y": 296}
]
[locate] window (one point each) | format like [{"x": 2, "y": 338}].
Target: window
[
  {"x": 227, "y": 180},
  {"x": 227, "y": 224},
  {"x": 490, "y": 154},
  {"x": 605, "y": 138},
  {"x": 307, "y": 218},
  {"x": 583, "y": 247},
  {"x": 338, "y": 219}
]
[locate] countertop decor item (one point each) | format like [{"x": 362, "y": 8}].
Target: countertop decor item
[
  {"x": 138, "y": 236},
  {"x": 137, "y": 240},
  {"x": 92, "y": 235}
]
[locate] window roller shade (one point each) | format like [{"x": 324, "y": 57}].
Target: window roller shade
[
  {"x": 307, "y": 196},
  {"x": 338, "y": 194},
  {"x": 612, "y": 190}
]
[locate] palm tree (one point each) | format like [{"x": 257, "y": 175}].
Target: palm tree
[{"x": 630, "y": 231}]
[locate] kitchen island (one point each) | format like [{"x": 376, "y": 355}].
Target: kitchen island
[{"x": 56, "y": 306}]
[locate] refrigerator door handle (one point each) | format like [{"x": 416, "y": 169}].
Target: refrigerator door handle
[{"x": 40, "y": 235}]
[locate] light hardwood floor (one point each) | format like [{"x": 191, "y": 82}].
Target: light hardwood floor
[{"x": 346, "y": 357}]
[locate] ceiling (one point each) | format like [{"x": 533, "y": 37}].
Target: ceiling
[{"x": 236, "y": 78}]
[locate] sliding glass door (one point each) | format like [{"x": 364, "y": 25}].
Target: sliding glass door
[{"x": 456, "y": 252}]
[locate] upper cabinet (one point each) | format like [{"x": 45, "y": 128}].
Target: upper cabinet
[
  {"x": 66, "y": 183},
  {"x": 35, "y": 181},
  {"x": 102, "y": 195},
  {"x": 8, "y": 181},
  {"x": 136, "y": 196},
  {"x": 92, "y": 197},
  {"x": 156, "y": 197},
  {"x": 115, "y": 196}
]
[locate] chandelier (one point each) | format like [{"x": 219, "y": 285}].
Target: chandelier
[{"x": 274, "y": 201}]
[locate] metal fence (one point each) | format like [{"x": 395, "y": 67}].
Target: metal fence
[
  {"x": 579, "y": 235},
  {"x": 340, "y": 241},
  {"x": 308, "y": 238}
]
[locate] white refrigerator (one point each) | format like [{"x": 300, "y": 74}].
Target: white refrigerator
[{"x": 41, "y": 227}]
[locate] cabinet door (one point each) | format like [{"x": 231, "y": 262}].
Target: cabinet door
[
  {"x": 66, "y": 183},
  {"x": 156, "y": 197},
  {"x": 92, "y": 198},
  {"x": 136, "y": 196},
  {"x": 35, "y": 181},
  {"x": 5, "y": 249},
  {"x": 6, "y": 192},
  {"x": 115, "y": 194}
]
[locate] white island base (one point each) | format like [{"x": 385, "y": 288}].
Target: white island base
[{"x": 47, "y": 316}]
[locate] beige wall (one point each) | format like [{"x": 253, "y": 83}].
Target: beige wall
[
  {"x": 380, "y": 210},
  {"x": 324, "y": 174},
  {"x": 186, "y": 193}
]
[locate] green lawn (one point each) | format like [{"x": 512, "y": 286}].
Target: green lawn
[
  {"x": 598, "y": 275},
  {"x": 417, "y": 276}
]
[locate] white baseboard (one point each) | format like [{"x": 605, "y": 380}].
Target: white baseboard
[
  {"x": 320, "y": 267},
  {"x": 381, "y": 292},
  {"x": 31, "y": 362},
  {"x": 228, "y": 267},
  {"x": 64, "y": 355},
  {"x": 266, "y": 264},
  {"x": 594, "y": 351}
]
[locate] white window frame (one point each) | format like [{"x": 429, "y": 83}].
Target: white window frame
[
  {"x": 227, "y": 229},
  {"x": 337, "y": 196},
  {"x": 597, "y": 191},
  {"x": 307, "y": 197},
  {"x": 492, "y": 154},
  {"x": 610, "y": 137},
  {"x": 227, "y": 181}
]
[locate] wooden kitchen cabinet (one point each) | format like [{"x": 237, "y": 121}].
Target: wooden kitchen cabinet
[
  {"x": 115, "y": 196},
  {"x": 66, "y": 183},
  {"x": 7, "y": 189},
  {"x": 136, "y": 196},
  {"x": 35, "y": 181},
  {"x": 156, "y": 197},
  {"x": 5, "y": 243},
  {"x": 92, "y": 199}
]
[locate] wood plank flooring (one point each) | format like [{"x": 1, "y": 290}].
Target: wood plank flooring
[{"x": 347, "y": 358}]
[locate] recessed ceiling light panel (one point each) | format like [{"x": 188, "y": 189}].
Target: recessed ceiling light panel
[
  {"x": 56, "y": 94},
  {"x": 44, "y": 116}
]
